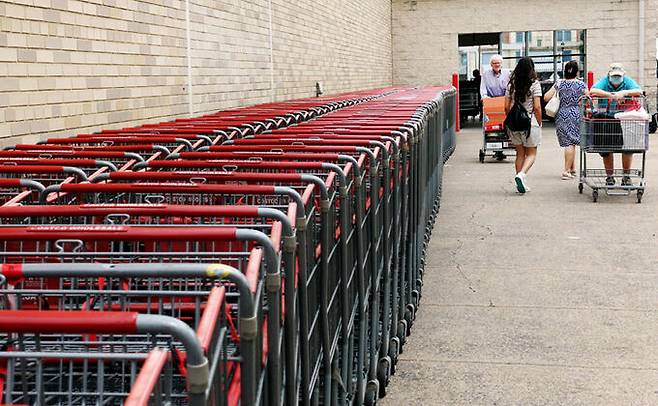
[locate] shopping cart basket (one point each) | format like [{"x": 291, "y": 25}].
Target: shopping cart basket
[
  {"x": 319, "y": 251},
  {"x": 149, "y": 268},
  {"x": 613, "y": 125},
  {"x": 47, "y": 364}
]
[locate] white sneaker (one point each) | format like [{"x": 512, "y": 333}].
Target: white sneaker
[{"x": 521, "y": 185}]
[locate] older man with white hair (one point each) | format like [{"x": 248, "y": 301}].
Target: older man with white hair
[
  {"x": 494, "y": 84},
  {"x": 494, "y": 80}
]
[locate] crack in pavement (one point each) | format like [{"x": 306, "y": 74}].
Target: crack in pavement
[
  {"x": 458, "y": 265},
  {"x": 459, "y": 268},
  {"x": 486, "y": 227}
]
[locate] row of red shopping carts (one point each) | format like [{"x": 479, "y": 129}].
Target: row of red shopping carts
[{"x": 270, "y": 255}]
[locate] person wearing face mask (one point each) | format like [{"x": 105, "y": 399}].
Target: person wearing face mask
[{"x": 616, "y": 85}]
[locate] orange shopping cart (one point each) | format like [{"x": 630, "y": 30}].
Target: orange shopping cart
[{"x": 495, "y": 142}]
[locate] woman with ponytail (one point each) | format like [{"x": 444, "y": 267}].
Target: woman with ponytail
[{"x": 524, "y": 89}]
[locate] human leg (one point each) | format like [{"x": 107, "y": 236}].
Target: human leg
[
  {"x": 529, "y": 159},
  {"x": 626, "y": 163},
  {"x": 569, "y": 160},
  {"x": 519, "y": 178},
  {"x": 520, "y": 157},
  {"x": 608, "y": 163}
]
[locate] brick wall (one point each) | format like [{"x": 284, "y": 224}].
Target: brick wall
[
  {"x": 425, "y": 32},
  {"x": 69, "y": 66}
]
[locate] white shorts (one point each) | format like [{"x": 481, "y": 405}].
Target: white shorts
[{"x": 522, "y": 138}]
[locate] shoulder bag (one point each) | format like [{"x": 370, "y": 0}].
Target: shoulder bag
[{"x": 553, "y": 105}]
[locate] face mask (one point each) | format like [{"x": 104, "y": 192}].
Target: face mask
[{"x": 616, "y": 80}]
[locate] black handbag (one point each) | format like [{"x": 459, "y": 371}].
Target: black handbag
[
  {"x": 518, "y": 118},
  {"x": 605, "y": 131}
]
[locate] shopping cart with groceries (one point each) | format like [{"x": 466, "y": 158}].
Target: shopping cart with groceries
[{"x": 613, "y": 125}]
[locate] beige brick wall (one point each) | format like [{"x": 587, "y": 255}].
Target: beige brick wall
[
  {"x": 69, "y": 66},
  {"x": 425, "y": 49},
  {"x": 361, "y": 60}
]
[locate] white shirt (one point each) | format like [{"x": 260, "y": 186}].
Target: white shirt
[{"x": 493, "y": 85}]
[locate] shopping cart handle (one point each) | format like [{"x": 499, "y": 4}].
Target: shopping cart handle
[
  {"x": 16, "y": 182},
  {"x": 134, "y": 156},
  {"x": 158, "y": 187},
  {"x": 73, "y": 322},
  {"x": 75, "y": 171},
  {"x": 87, "y": 322}
]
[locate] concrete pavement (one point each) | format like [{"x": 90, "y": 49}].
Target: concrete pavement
[{"x": 542, "y": 299}]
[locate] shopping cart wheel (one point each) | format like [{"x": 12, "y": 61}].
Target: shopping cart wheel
[
  {"x": 383, "y": 375},
  {"x": 402, "y": 334},
  {"x": 481, "y": 156},
  {"x": 372, "y": 393},
  {"x": 580, "y": 188},
  {"x": 415, "y": 295},
  {"x": 595, "y": 196},
  {"x": 409, "y": 317},
  {"x": 394, "y": 352},
  {"x": 640, "y": 193}
]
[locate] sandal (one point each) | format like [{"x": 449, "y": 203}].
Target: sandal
[{"x": 566, "y": 176}]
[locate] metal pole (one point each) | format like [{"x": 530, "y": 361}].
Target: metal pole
[{"x": 455, "y": 83}]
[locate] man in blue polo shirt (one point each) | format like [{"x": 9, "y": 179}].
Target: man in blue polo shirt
[{"x": 616, "y": 85}]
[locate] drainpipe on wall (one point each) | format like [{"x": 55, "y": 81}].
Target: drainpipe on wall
[
  {"x": 271, "y": 56},
  {"x": 190, "y": 108},
  {"x": 641, "y": 57}
]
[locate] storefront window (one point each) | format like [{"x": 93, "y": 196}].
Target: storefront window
[
  {"x": 512, "y": 47},
  {"x": 520, "y": 37},
  {"x": 550, "y": 50},
  {"x": 563, "y": 35}
]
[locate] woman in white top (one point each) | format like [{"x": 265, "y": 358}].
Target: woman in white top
[{"x": 525, "y": 89}]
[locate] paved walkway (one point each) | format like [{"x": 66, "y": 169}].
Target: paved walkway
[{"x": 542, "y": 299}]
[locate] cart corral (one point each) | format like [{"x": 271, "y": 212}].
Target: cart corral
[{"x": 270, "y": 255}]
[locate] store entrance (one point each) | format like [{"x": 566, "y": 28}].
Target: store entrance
[{"x": 550, "y": 50}]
